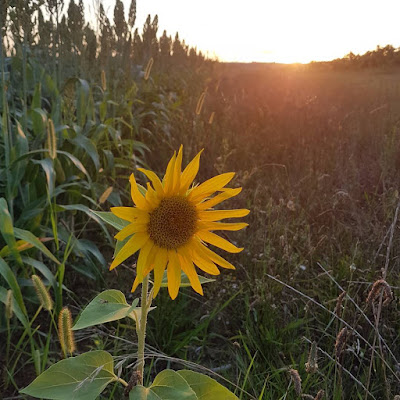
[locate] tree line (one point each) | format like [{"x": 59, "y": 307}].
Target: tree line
[{"x": 387, "y": 56}]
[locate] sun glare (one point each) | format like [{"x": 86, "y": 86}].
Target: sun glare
[{"x": 287, "y": 31}]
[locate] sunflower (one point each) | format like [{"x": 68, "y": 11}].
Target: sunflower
[{"x": 172, "y": 225}]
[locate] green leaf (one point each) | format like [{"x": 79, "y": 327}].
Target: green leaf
[
  {"x": 39, "y": 121},
  {"x": 108, "y": 306},
  {"x": 7, "y": 230},
  {"x": 43, "y": 269},
  {"x": 76, "y": 162},
  {"x": 9, "y": 276},
  {"x": 113, "y": 220},
  {"x": 77, "y": 378},
  {"x": 205, "y": 387},
  {"x": 47, "y": 165},
  {"x": 184, "y": 280},
  {"x": 168, "y": 385},
  {"x": 88, "y": 211},
  {"x": 87, "y": 145},
  {"x": 34, "y": 241}
]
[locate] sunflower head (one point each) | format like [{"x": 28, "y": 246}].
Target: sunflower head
[{"x": 172, "y": 225}]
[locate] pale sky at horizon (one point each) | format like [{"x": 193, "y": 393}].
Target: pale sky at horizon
[{"x": 275, "y": 31}]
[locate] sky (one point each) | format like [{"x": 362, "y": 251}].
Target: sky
[{"x": 284, "y": 31}]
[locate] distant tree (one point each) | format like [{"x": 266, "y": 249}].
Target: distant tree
[
  {"x": 179, "y": 52},
  {"x": 90, "y": 49},
  {"x": 76, "y": 23},
  {"x": 137, "y": 48},
  {"x": 150, "y": 41},
  {"x": 45, "y": 31},
  {"x": 132, "y": 15},
  {"x": 120, "y": 25},
  {"x": 106, "y": 36},
  {"x": 165, "y": 49}
]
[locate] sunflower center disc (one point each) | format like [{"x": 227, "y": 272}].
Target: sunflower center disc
[{"x": 173, "y": 222}]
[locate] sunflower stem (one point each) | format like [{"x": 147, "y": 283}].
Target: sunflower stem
[{"x": 145, "y": 305}]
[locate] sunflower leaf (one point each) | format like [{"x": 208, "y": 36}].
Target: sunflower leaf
[
  {"x": 83, "y": 377},
  {"x": 110, "y": 305},
  {"x": 167, "y": 385},
  {"x": 205, "y": 387}
]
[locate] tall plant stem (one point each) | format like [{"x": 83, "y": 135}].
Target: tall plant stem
[{"x": 145, "y": 305}]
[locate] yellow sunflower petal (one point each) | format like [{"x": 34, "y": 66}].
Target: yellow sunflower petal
[
  {"x": 190, "y": 173},
  {"x": 178, "y": 171},
  {"x": 130, "y": 230},
  {"x": 220, "y": 226},
  {"x": 191, "y": 252},
  {"x": 137, "y": 197},
  {"x": 136, "y": 283},
  {"x": 151, "y": 259},
  {"x": 210, "y": 186},
  {"x": 131, "y": 247},
  {"x": 155, "y": 180},
  {"x": 142, "y": 259},
  {"x": 151, "y": 197},
  {"x": 168, "y": 181},
  {"x": 226, "y": 194},
  {"x": 218, "y": 241},
  {"x": 216, "y": 215},
  {"x": 206, "y": 252},
  {"x": 159, "y": 268},
  {"x": 128, "y": 213},
  {"x": 174, "y": 274},
  {"x": 190, "y": 271}
]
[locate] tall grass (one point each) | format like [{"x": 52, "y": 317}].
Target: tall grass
[{"x": 316, "y": 153}]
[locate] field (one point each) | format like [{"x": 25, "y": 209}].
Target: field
[{"x": 316, "y": 151}]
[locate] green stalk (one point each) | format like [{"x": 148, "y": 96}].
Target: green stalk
[
  {"x": 145, "y": 305},
  {"x": 24, "y": 87}
]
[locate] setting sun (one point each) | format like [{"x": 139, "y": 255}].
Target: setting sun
[{"x": 285, "y": 31}]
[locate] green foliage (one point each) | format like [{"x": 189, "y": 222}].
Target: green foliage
[
  {"x": 109, "y": 305},
  {"x": 182, "y": 385},
  {"x": 83, "y": 377}
]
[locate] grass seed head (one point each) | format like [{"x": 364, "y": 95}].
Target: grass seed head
[
  {"x": 148, "y": 69},
  {"x": 376, "y": 290},
  {"x": 294, "y": 374},
  {"x": 9, "y": 304},
  {"x": 339, "y": 303},
  {"x": 42, "y": 293},
  {"x": 65, "y": 332},
  {"x": 200, "y": 103},
  {"x": 51, "y": 140},
  {"x": 319, "y": 395},
  {"x": 340, "y": 344},
  {"x": 103, "y": 80},
  {"x": 211, "y": 120},
  {"x": 312, "y": 365}
]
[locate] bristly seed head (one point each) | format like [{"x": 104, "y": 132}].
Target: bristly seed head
[
  {"x": 173, "y": 222},
  {"x": 294, "y": 374},
  {"x": 339, "y": 302},
  {"x": 65, "y": 332},
  {"x": 319, "y": 395},
  {"x": 376, "y": 290},
  {"x": 42, "y": 293},
  {"x": 312, "y": 365},
  {"x": 340, "y": 344},
  {"x": 9, "y": 304}
]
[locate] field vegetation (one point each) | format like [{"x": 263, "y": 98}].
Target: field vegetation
[{"x": 311, "y": 310}]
